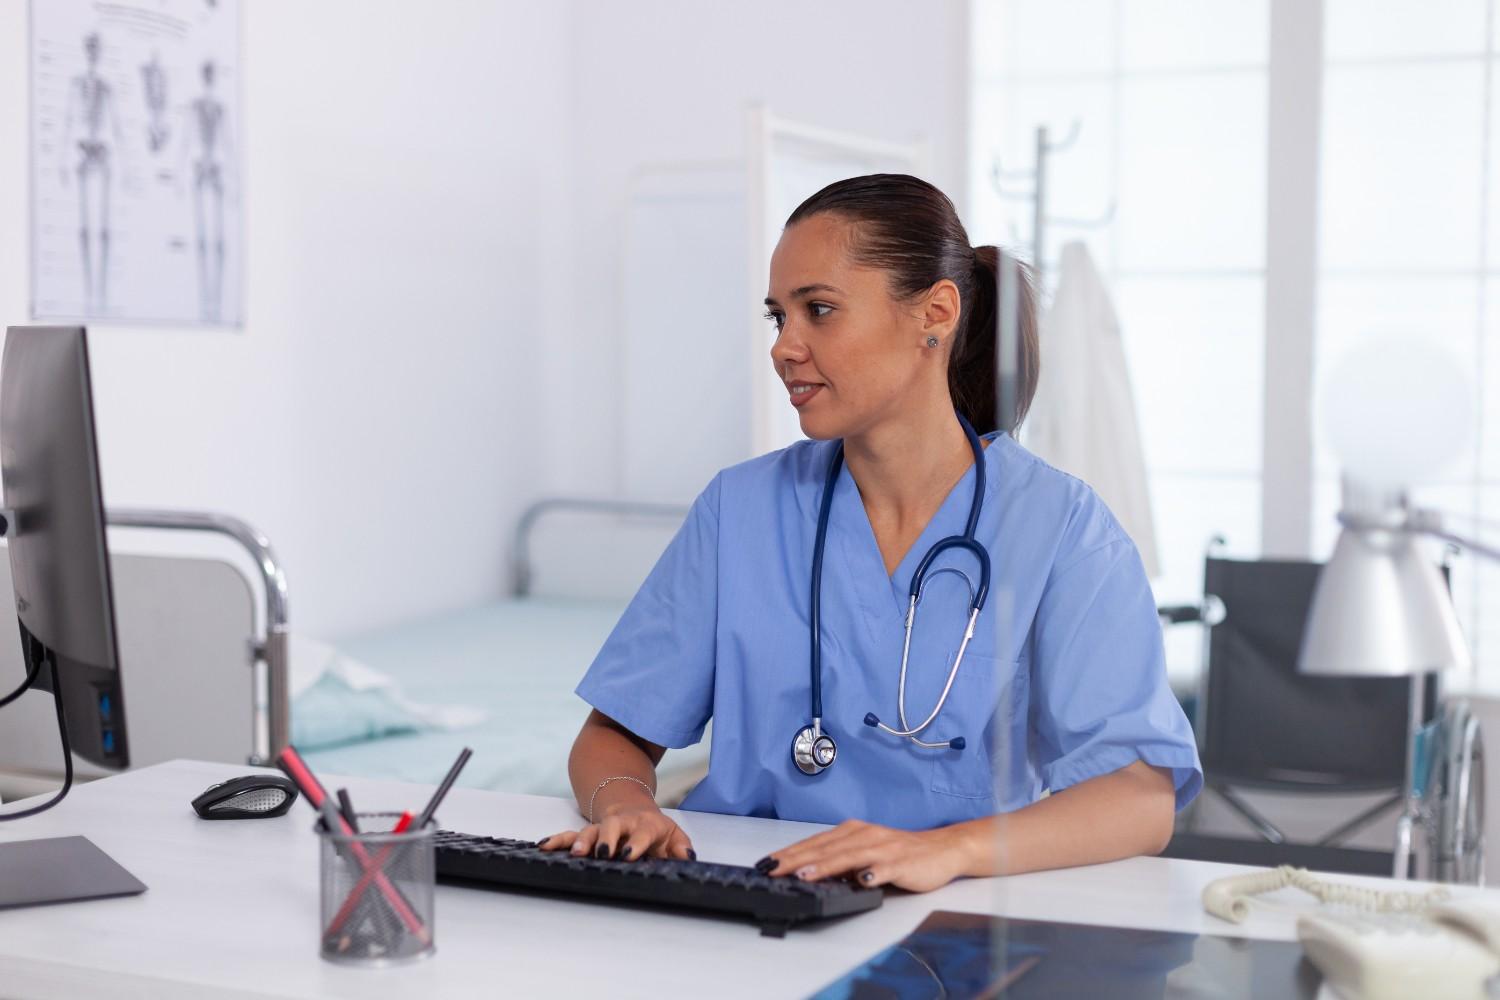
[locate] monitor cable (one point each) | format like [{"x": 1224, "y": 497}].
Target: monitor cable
[
  {"x": 31, "y": 672},
  {"x": 62, "y": 730}
]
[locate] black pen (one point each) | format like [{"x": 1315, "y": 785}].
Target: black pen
[
  {"x": 442, "y": 790},
  {"x": 331, "y": 817},
  {"x": 347, "y": 808}
]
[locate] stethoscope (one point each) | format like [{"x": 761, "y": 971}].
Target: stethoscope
[{"x": 813, "y": 749}]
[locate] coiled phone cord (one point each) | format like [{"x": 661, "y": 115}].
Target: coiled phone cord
[{"x": 1229, "y": 898}]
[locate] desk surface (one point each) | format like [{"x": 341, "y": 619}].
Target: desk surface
[{"x": 232, "y": 909}]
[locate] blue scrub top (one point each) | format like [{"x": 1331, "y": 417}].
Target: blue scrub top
[{"x": 1063, "y": 681}]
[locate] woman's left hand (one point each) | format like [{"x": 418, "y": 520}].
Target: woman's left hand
[{"x": 874, "y": 855}]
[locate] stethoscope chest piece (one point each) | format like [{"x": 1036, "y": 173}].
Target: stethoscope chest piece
[{"x": 813, "y": 751}]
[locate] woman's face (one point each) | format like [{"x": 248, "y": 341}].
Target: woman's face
[{"x": 850, "y": 353}]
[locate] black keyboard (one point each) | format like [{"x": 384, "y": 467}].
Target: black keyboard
[{"x": 774, "y": 903}]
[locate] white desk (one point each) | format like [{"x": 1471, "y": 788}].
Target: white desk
[{"x": 232, "y": 909}]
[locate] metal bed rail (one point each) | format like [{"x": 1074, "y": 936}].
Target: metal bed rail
[
  {"x": 521, "y": 567},
  {"x": 273, "y": 717}
]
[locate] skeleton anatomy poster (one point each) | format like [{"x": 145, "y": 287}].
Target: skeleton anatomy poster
[{"x": 136, "y": 179}]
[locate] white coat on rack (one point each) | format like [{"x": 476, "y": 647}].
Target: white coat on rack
[{"x": 1083, "y": 420}]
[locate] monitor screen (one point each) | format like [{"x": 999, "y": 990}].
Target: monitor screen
[{"x": 59, "y": 562}]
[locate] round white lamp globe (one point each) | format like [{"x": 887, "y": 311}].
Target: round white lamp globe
[{"x": 1397, "y": 411}]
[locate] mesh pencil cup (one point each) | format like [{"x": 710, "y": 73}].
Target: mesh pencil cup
[{"x": 376, "y": 893}]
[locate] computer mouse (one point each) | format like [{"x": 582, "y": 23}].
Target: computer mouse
[{"x": 255, "y": 796}]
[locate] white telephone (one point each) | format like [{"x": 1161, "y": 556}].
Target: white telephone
[{"x": 1375, "y": 945}]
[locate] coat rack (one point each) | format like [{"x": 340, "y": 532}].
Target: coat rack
[{"x": 1037, "y": 196}]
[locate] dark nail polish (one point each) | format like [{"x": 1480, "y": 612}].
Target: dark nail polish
[
  {"x": 765, "y": 864},
  {"x": 692, "y": 854},
  {"x": 601, "y": 852},
  {"x": 542, "y": 842},
  {"x": 626, "y": 853}
]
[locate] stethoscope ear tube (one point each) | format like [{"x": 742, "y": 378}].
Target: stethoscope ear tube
[
  {"x": 957, "y": 743},
  {"x": 919, "y": 578}
]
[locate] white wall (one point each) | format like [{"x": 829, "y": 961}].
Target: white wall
[
  {"x": 406, "y": 218},
  {"x": 670, "y": 80},
  {"x": 434, "y": 208}
]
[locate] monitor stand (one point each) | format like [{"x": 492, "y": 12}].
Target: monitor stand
[
  {"x": 60, "y": 870},
  {"x": 55, "y": 869}
]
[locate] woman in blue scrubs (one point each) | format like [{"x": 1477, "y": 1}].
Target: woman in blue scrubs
[{"x": 1059, "y": 742}]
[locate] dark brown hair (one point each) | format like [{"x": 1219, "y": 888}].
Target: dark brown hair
[{"x": 910, "y": 229}]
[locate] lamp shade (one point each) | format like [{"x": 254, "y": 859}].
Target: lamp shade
[{"x": 1380, "y": 608}]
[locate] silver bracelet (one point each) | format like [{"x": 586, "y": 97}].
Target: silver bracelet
[{"x": 619, "y": 777}]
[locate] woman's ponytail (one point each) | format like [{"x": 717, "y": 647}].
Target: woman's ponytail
[{"x": 972, "y": 368}]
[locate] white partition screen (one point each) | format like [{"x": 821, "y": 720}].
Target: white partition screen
[
  {"x": 685, "y": 390},
  {"x": 788, "y": 161}
]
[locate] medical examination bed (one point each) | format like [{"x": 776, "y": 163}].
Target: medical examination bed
[
  {"x": 201, "y": 619},
  {"x": 575, "y": 564}
]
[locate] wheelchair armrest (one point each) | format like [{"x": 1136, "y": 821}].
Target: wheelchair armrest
[{"x": 1179, "y": 614}]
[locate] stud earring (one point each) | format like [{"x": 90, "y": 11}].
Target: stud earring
[{"x": 932, "y": 341}]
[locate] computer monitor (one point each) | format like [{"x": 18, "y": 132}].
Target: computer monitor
[{"x": 58, "y": 560}]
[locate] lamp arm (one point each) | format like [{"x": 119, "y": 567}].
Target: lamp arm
[{"x": 1430, "y": 523}]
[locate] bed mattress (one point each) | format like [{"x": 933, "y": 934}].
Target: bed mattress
[{"x": 519, "y": 660}]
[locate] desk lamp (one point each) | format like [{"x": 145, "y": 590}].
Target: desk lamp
[{"x": 1396, "y": 412}]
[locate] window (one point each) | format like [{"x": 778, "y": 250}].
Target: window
[
  {"x": 1407, "y": 228},
  {"x": 1171, "y": 97},
  {"x": 1169, "y": 100}
]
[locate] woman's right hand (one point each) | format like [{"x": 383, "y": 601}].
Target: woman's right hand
[{"x": 628, "y": 832}]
